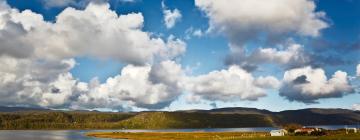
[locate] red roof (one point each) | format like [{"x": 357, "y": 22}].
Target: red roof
[{"x": 305, "y": 129}]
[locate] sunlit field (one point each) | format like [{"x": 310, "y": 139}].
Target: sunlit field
[{"x": 216, "y": 136}]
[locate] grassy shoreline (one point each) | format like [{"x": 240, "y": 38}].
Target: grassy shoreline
[
  {"x": 214, "y": 136},
  {"x": 176, "y": 135}
]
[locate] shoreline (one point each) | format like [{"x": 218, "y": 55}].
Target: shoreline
[
  {"x": 177, "y": 135},
  {"x": 215, "y": 136},
  {"x": 157, "y": 129}
]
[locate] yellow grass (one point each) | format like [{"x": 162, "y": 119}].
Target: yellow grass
[
  {"x": 214, "y": 136},
  {"x": 177, "y": 135}
]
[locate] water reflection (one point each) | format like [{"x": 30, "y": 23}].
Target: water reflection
[
  {"x": 44, "y": 135},
  {"x": 80, "y": 134},
  {"x": 250, "y": 129}
]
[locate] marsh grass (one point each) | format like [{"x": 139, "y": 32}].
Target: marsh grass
[{"x": 214, "y": 136}]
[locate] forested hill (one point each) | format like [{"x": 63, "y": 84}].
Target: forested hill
[
  {"x": 25, "y": 118},
  {"x": 15, "y": 109}
]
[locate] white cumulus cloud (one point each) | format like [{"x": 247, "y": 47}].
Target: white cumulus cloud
[
  {"x": 38, "y": 56},
  {"x": 288, "y": 55},
  {"x": 95, "y": 31},
  {"x": 356, "y": 107},
  {"x": 231, "y": 84},
  {"x": 244, "y": 20},
  {"x": 28, "y": 82},
  {"x": 190, "y": 32},
  {"x": 170, "y": 16},
  {"x": 308, "y": 85},
  {"x": 137, "y": 86}
]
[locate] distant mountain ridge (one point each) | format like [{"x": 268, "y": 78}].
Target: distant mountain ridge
[
  {"x": 239, "y": 110},
  {"x": 17, "y": 109},
  {"x": 34, "y": 118}
]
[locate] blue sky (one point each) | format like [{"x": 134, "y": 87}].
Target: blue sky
[{"x": 328, "y": 42}]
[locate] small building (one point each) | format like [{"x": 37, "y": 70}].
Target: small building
[
  {"x": 352, "y": 130},
  {"x": 306, "y": 130},
  {"x": 280, "y": 132}
]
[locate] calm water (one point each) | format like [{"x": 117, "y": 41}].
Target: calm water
[
  {"x": 80, "y": 134},
  {"x": 44, "y": 135}
]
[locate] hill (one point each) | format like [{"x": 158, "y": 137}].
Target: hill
[
  {"x": 316, "y": 116},
  {"x": 158, "y": 120},
  {"x": 216, "y": 118},
  {"x": 17, "y": 109}
]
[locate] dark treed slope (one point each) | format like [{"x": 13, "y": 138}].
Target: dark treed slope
[
  {"x": 157, "y": 120},
  {"x": 14, "y": 109},
  {"x": 217, "y": 118}
]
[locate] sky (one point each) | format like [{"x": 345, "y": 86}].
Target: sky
[{"x": 136, "y": 55}]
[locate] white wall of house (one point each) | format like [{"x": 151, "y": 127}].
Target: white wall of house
[{"x": 277, "y": 133}]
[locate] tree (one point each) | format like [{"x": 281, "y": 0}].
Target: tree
[{"x": 292, "y": 127}]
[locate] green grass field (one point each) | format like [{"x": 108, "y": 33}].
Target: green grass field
[{"x": 215, "y": 136}]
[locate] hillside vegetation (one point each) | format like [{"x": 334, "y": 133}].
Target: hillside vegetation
[
  {"x": 61, "y": 120},
  {"x": 158, "y": 120},
  {"x": 219, "y": 118}
]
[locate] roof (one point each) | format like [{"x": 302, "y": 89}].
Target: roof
[{"x": 305, "y": 129}]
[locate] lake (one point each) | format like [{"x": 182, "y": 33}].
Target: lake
[{"x": 80, "y": 134}]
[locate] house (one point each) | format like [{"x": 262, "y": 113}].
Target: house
[
  {"x": 305, "y": 130},
  {"x": 280, "y": 132},
  {"x": 353, "y": 130}
]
